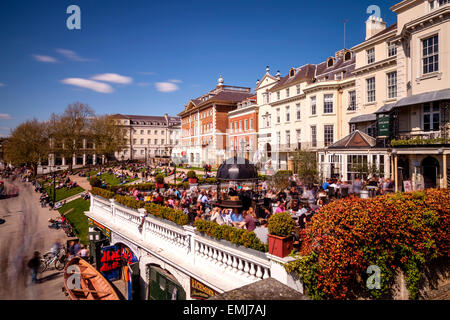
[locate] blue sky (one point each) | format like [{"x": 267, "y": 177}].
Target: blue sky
[{"x": 150, "y": 57}]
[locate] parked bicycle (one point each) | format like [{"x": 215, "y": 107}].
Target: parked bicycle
[{"x": 59, "y": 260}]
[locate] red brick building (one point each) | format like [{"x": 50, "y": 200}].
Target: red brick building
[
  {"x": 204, "y": 124},
  {"x": 243, "y": 128}
]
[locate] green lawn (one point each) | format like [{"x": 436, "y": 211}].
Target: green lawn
[
  {"x": 110, "y": 178},
  {"x": 63, "y": 193},
  {"x": 77, "y": 218}
]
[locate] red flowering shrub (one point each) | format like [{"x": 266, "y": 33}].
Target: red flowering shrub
[{"x": 397, "y": 232}]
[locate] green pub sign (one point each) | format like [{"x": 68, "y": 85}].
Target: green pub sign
[{"x": 383, "y": 126}]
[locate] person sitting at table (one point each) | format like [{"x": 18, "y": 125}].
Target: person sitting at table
[
  {"x": 236, "y": 217},
  {"x": 249, "y": 222}
]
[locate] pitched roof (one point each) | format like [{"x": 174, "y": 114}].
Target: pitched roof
[
  {"x": 338, "y": 66},
  {"x": 145, "y": 118},
  {"x": 390, "y": 28},
  {"x": 363, "y": 118},
  {"x": 356, "y": 139},
  {"x": 304, "y": 73}
]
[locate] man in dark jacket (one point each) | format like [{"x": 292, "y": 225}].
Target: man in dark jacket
[{"x": 34, "y": 264}]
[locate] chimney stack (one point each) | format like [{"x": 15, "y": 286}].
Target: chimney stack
[{"x": 374, "y": 25}]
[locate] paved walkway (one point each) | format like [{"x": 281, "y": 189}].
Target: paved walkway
[{"x": 24, "y": 231}]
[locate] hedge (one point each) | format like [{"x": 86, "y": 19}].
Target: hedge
[
  {"x": 167, "y": 213},
  {"x": 240, "y": 237},
  {"x": 402, "y": 232},
  {"x": 102, "y": 193},
  {"x": 129, "y": 202}
]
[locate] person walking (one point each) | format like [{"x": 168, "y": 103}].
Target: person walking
[{"x": 34, "y": 264}]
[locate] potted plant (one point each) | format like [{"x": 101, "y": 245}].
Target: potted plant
[
  {"x": 159, "y": 179},
  {"x": 280, "y": 239},
  {"x": 192, "y": 176}
]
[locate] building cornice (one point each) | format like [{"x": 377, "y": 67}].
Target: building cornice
[
  {"x": 439, "y": 14},
  {"x": 330, "y": 85},
  {"x": 291, "y": 99},
  {"x": 371, "y": 41},
  {"x": 401, "y": 5},
  {"x": 376, "y": 66}
]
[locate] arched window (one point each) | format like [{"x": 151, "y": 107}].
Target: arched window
[
  {"x": 348, "y": 56},
  {"x": 291, "y": 72},
  {"x": 330, "y": 62}
]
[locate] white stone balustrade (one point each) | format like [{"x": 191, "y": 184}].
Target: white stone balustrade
[{"x": 196, "y": 251}]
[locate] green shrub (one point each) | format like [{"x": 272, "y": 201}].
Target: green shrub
[
  {"x": 191, "y": 174},
  {"x": 159, "y": 178},
  {"x": 167, "y": 213},
  {"x": 281, "y": 224},
  {"x": 129, "y": 202},
  {"x": 236, "y": 236},
  {"x": 94, "y": 181},
  {"x": 102, "y": 193}
]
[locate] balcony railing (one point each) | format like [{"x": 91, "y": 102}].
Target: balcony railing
[
  {"x": 198, "y": 251},
  {"x": 420, "y": 138}
]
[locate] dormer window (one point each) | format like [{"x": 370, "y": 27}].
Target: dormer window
[
  {"x": 330, "y": 62},
  {"x": 348, "y": 56},
  {"x": 291, "y": 72}
]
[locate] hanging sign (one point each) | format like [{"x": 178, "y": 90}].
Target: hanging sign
[
  {"x": 201, "y": 291},
  {"x": 384, "y": 126},
  {"x": 105, "y": 230}
]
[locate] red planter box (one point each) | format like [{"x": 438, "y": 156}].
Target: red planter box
[
  {"x": 280, "y": 246},
  {"x": 192, "y": 180},
  {"x": 159, "y": 185}
]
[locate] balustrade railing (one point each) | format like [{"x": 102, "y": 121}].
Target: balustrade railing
[{"x": 196, "y": 248}]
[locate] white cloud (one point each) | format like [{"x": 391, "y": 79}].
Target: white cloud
[
  {"x": 89, "y": 84},
  {"x": 113, "y": 77},
  {"x": 5, "y": 116},
  {"x": 71, "y": 55},
  {"x": 176, "y": 81},
  {"x": 46, "y": 59},
  {"x": 2, "y": 84},
  {"x": 148, "y": 73},
  {"x": 166, "y": 87}
]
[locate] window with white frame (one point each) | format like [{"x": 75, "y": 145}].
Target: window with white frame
[
  {"x": 370, "y": 89},
  {"x": 313, "y": 105},
  {"x": 268, "y": 118},
  {"x": 352, "y": 127},
  {"x": 392, "y": 49},
  {"x": 392, "y": 84},
  {"x": 278, "y": 95},
  {"x": 287, "y": 92},
  {"x": 251, "y": 124},
  {"x": 328, "y": 132},
  {"x": 371, "y": 56},
  {"x": 313, "y": 136},
  {"x": 431, "y": 116},
  {"x": 278, "y": 116},
  {"x": 298, "y": 111},
  {"x": 278, "y": 140},
  {"x": 288, "y": 138},
  {"x": 328, "y": 103},
  {"x": 240, "y": 125},
  {"x": 351, "y": 100},
  {"x": 288, "y": 114},
  {"x": 298, "y": 89},
  {"x": 245, "y": 124},
  {"x": 142, "y": 141},
  {"x": 430, "y": 54},
  {"x": 298, "y": 133}
]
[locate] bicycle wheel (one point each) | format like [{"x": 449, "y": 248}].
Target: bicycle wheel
[
  {"x": 60, "y": 263},
  {"x": 43, "y": 266}
]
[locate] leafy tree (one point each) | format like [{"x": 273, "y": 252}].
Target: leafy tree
[
  {"x": 107, "y": 136},
  {"x": 29, "y": 144},
  {"x": 305, "y": 166},
  {"x": 70, "y": 129}
]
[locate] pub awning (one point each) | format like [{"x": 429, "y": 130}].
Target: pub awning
[
  {"x": 363, "y": 118},
  {"x": 417, "y": 99}
]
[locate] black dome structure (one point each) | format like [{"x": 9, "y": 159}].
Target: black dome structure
[{"x": 237, "y": 169}]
